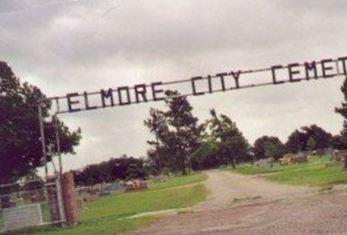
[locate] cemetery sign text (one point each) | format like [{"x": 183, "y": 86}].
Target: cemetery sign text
[{"x": 201, "y": 85}]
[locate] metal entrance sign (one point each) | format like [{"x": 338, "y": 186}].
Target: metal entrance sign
[
  {"x": 197, "y": 86},
  {"x": 201, "y": 85}
]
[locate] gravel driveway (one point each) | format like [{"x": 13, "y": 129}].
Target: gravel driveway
[{"x": 240, "y": 204}]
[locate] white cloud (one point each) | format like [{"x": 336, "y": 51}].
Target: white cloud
[{"x": 64, "y": 46}]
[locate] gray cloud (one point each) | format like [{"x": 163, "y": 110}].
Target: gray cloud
[{"x": 66, "y": 45}]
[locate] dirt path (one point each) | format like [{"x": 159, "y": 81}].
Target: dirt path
[
  {"x": 251, "y": 205},
  {"x": 226, "y": 188}
]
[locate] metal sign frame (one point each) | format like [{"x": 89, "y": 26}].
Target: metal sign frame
[
  {"x": 296, "y": 72},
  {"x": 143, "y": 93}
]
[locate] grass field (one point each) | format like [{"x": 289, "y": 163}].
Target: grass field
[
  {"x": 179, "y": 181},
  {"x": 318, "y": 171},
  {"x": 109, "y": 215}
]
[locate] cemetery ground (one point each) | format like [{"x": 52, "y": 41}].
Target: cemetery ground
[
  {"x": 116, "y": 213},
  {"x": 318, "y": 171},
  {"x": 307, "y": 198}
]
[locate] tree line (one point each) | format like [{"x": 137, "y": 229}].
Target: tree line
[
  {"x": 122, "y": 168},
  {"x": 219, "y": 142},
  {"x": 180, "y": 142}
]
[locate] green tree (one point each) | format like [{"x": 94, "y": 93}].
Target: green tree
[
  {"x": 232, "y": 146},
  {"x": 296, "y": 142},
  {"x": 20, "y": 146},
  {"x": 274, "y": 149},
  {"x": 178, "y": 134},
  {"x": 343, "y": 112},
  {"x": 299, "y": 139},
  {"x": 157, "y": 125},
  {"x": 123, "y": 167},
  {"x": 337, "y": 142},
  {"x": 182, "y": 138},
  {"x": 206, "y": 157},
  {"x": 322, "y": 139},
  {"x": 311, "y": 143},
  {"x": 259, "y": 147}
]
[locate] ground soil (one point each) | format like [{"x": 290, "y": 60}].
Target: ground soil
[{"x": 240, "y": 204}]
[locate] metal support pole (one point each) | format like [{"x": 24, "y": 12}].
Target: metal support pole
[
  {"x": 43, "y": 139},
  {"x": 57, "y": 137},
  {"x": 60, "y": 198},
  {"x": 60, "y": 175}
]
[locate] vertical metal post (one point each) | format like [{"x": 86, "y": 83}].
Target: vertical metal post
[
  {"x": 57, "y": 137},
  {"x": 43, "y": 139},
  {"x": 60, "y": 198},
  {"x": 60, "y": 173}
]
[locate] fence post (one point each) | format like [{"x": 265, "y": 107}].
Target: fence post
[{"x": 70, "y": 202}]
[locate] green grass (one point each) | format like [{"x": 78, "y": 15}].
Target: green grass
[
  {"x": 316, "y": 172},
  {"x": 109, "y": 215},
  {"x": 138, "y": 202},
  {"x": 178, "y": 181},
  {"x": 249, "y": 169},
  {"x": 45, "y": 212},
  {"x": 107, "y": 226},
  {"x": 312, "y": 175}
]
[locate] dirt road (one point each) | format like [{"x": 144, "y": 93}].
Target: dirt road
[
  {"x": 226, "y": 188},
  {"x": 251, "y": 205}
]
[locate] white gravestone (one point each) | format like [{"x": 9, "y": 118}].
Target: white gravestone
[{"x": 22, "y": 217}]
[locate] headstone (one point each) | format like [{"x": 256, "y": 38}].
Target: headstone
[
  {"x": 116, "y": 187},
  {"x": 286, "y": 159},
  {"x": 5, "y": 201},
  {"x": 265, "y": 162},
  {"x": 159, "y": 178},
  {"x": 300, "y": 158},
  {"x": 22, "y": 217},
  {"x": 320, "y": 152},
  {"x": 140, "y": 184},
  {"x": 130, "y": 186},
  {"x": 340, "y": 156}
]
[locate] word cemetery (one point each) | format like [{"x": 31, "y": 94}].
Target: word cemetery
[{"x": 201, "y": 85}]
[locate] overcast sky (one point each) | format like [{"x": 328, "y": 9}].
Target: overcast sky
[{"x": 65, "y": 46}]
